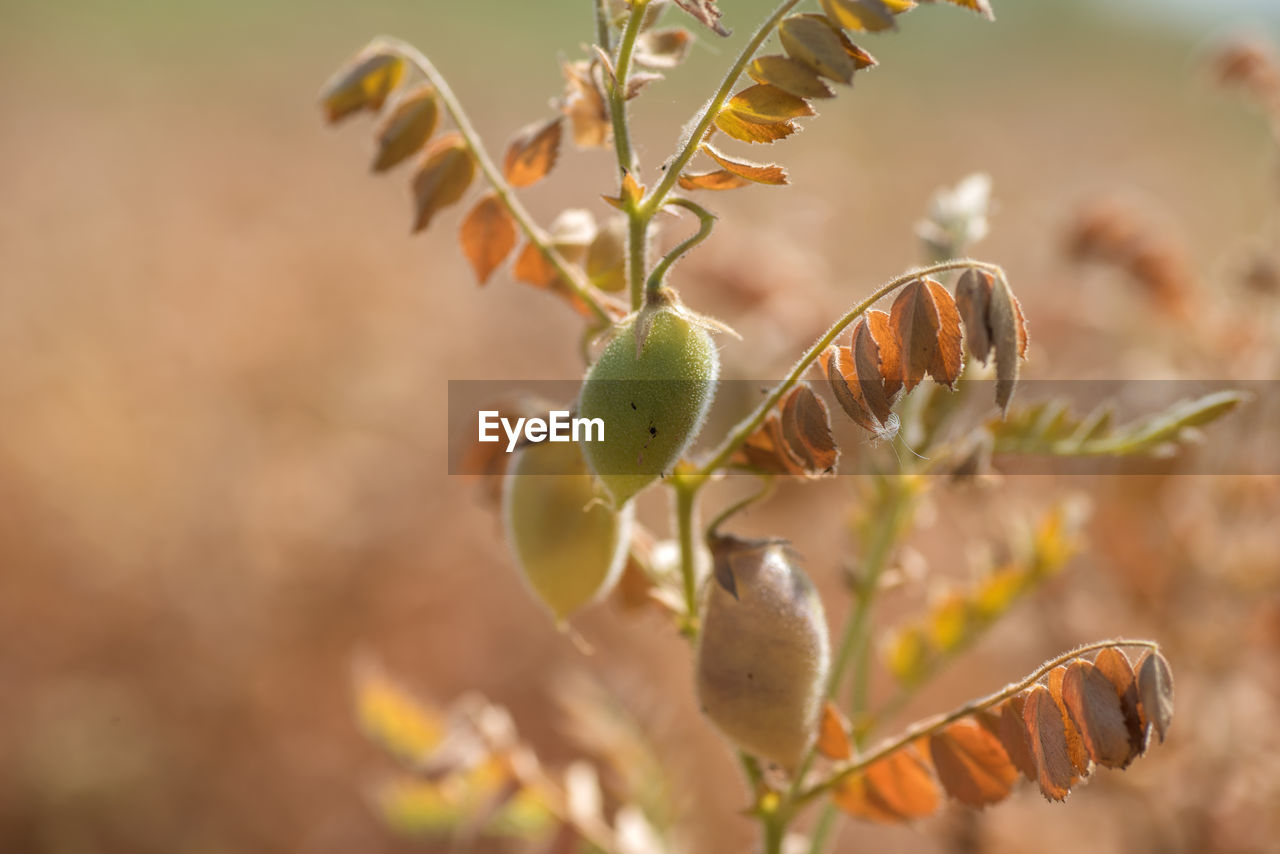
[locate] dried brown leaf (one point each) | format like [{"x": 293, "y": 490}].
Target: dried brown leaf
[
  {"x": 764, "y": 104},
  {"x": 814, "y": 42},
  {"x": 1047, "y": 735},
  {"x": 903, "y": 782},
  {"x": 488, "y": 235},
  {"x": 973, "y": 299},
  {"x": 638, "y": 80},
  {"x": 533, "y": 268},
  {"x": 1094, "y": 708},
  {"x": 706, "y": 12},
  {"x": 1008, "y": 329},
  {"x": 806, "y": 429},
  {"x": 664, "y": 48},
  {"x": 860, "y": 15},
  {"x": 854, "y": 796},
  {"x": 766, "y": 449},
  {"x": 407, "y": 126},
  {"x": 362, "y": 84},
  {"x": 533, "y": 153},
  {"x": 1075, "y": 742},
  {"x": 839, "y": 365},
  {"x": 584, "y": 103},
  {"x": 971, "y": 764},
  {"x": 790, "y": 76},
  {"x": 833, "y": 734},
  {"x": 927, "y": 326},
  {"x": 760, "y": 173},
  {"x": 1015, "y": 738},
  {"x": 720, "y": 179},
  {"x": 444, "y": 176},
  {"x": 1155, "y": 693},
  {"x": 1114, "y": 665}
]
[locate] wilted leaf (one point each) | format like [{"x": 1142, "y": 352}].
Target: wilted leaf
[
  {"x": 853, "y": 795},
  {"x": 706, "y": 12},
  {"x": 663, "y": 48},
  {"x": 363, "y": 83},
  {"x": 1008, "y": 330},
  {"x": 971, "y": 764},
  {"x": 1015, "y": 737},
  {"x": 739, "y": 128},
  {"x": 927, "y": 325},
  {"x": 1155, "y": 693},
  {"x": 638, "y": 80},
  {"x": 982, "y": 7},
  {"x": 757, "y": 172},
  {"x": 533, "y": 153},
  {"x": 1047, "y": 735},
  {"x": 973, "y": 300},
  {"x": 720, "y": 179},
  {"x": 442, "y": 179},
  {"x": 1113, "y": 664},
  {"x": 903, "y": 783},
  {"x": 533, "y": 268},
  {"x": 812, "y": 41},
  {"x": 790, "y": 76},
  {"x": 1075, "y": 743},
  {"x": 806, "y": 429},
  {"x": 833, "y": 734},
  {"x": 861, "y": 15},
  {"x": 1094, "y": 708},
  {"x": 584, "y": 104},
  {"x": 407, "y": 126},
  {"x": 488, "y": 235}
]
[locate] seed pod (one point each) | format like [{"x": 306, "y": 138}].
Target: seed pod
[
  {"x": 569, "y": 547},
  {"x": 763, "y": 653},
  {"x": 651, "y": 386}
]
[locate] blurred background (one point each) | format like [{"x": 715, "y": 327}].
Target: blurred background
[{"x": 223, "y": 384}]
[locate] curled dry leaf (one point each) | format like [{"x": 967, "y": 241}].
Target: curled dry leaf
[
  {"x": 1015, "y": 738},
  {"x": 971, "y": 764},
  {"x": 1075, "y": 742},
  {"x": 706, "y": 12},
  {"x": 585, "y": 105},
  {"x": 533, "y": 153},
  {"x": 1047, "y": 736},
  {"x": 488, "y": 235},
  {"x": 637, "y": 81},
  {"x": 720, "y": 179},
  {"x": 795, "y": 440},
  {"x": 1094, "y": 707},
  {"x": 408, "y": 125},
  {"x": 812, "y": 41},
  {"x": 789, "y": 76},
  {"x": 362, "y": 84},
  {"x": 1113, "y": 664},
  {"x": 664, "y": 48},
  {"x": 860, "y": 15},
  {"x": 444, "y": 176},
  {"x": 760, "y": 173},
  {"x": 993, "y": 320},
  {"x": 865, "y": 377},
  {"x": 1155, "y": 693},
  {"x": 899, "y": 787},
  {"x": 927, "y": 324}
]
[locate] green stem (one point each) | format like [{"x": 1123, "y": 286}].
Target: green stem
[
  {"x": 706, "y": 221},
  {"x": 708, "y": 115},
  {"x": 766, "y": 488},
  {"x": 602, "y": 25},
  {"x": 618, "y": 89},
  {"x": 775, "y": 831},
  {"x": 637, "y": 256},
  {"x": 686, "y": 505},
  {"x": 743, "y": 430},
  {"x": 502, "y": 190},
  {"x": 822, "y": 829},
  {"x": 929, "y": 726}
]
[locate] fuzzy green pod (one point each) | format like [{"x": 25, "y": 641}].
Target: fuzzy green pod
[
  {"x": 569, "y": 547},
  {"x": 763, "y": 653},
  {"x": 651, "y": 387}
]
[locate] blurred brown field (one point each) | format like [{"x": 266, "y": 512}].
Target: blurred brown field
[{"x": 224, "y": 366}]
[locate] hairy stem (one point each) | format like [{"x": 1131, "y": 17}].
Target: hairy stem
[
  {"x": 618, "y": 88},
  {"x": 686, "y": 506},
  {"x": 637, "y": 256},
  {"x": 659, "y": 193},
  {"x": 572, "y": 277},
  {"x": 602, "y": 25},
  {"x": 743, "y": 430},
  {"x": 706, "y": 221},
  {"x": 929, "y": 726}
]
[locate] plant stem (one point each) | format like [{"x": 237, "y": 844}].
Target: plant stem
[
  {"x": 637, "y": 256},
  {"x": 602, "y": 25},
  {"x": 686, "y": 505},
  {"x": 766, "y": 488},
  {"x": 823, "y": 829},
  {"x": 502, "y": 190},
  {"x": 618, "y": 89},
  {"x": 706, "y": 221},
  {"x": 775, "y": 831},
  {"x": 931, "y": 725},
  {"x": 743, "y": 430},
  {"x": 708, "y": 115}
]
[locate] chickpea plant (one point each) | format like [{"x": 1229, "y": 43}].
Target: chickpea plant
[{"x": 795, "y": 706}]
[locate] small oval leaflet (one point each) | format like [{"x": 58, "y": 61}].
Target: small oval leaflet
[
  {"x": 442, "y": 179},
  {"x": 407, "y": 126}
]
